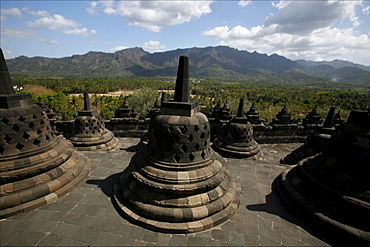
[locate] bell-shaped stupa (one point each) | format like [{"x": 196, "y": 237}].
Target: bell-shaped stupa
[
  {"x": 253, "y": 115},
  {"x": 36, "y": 167},
  {"x": 90, "y": 132},
  {"x": 177, "y": 184},
  {"x": 312, "y": 118},
  {"x": 237, "y": 140},
  {"x": 331, "y": 191}
]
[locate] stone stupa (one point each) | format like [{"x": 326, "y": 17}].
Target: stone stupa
[
  {"x": 36, "y": 167},
  {"x": 236, "y": 140},
  {"x": 90, "y": 131},
  {"x": 331, "y": 191},
  {"x": 177, "y": 184}
]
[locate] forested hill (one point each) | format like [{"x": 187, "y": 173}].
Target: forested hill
[{"x": 211, "y": 62}]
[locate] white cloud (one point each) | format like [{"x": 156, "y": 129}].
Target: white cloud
[
  {"x": 92, "y": 8},
  {"x": 14, "y": 12},
  {"x": 2, "y": 18},
  {"x": 53, "y": 23},
  {"x": 303, "y": 17},
  {"x": 366, "y": 11},
  {"x": 40, "y": 13},
  {"x": 154, "y": 15},
  {"x": 80, "y": 32},
  {"x": 118, "y": 48},
  {"x": 153, "y": 45},
  {"x": 52, "y": 42},
  {"x": 244, "y": 3},
  {"x": 18, "y": 33},
  {"x": 305, "y": 31}
]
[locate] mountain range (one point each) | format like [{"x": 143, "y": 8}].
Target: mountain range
[{"x": 219, "y": 62}]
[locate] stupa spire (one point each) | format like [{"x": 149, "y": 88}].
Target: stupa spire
[
  {"x": 87, "y": 104},
  {"x": 6, "y": 86},
  {"x": 182, "y": 89}
]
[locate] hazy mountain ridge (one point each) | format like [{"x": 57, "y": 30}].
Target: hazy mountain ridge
[{"x": 220, "y": 62}]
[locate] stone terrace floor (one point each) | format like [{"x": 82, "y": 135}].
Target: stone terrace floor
[{"x": 86, "y": 215}]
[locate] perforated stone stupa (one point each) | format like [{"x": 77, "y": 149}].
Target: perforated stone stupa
[
  {"x": 36, "y": 167},
  {"x": 237, "y": 139},
  {"x": 331, "y": 191},
  {"x": 90, "y": 132},
  {"x": 177, "y": 184}
]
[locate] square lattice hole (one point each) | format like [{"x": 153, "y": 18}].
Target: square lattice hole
[
  {"x": 19, "y": 146},
  {"x": 21, "y": 119},
  {"x": 31, "y": 125},
  {"x": 184, "y": 148},
  {"x": 177, "y": 157},
  {"x": 7, "y": 139},
  {"x": 16, "y": 128},
  {"x": 191, "y": 157},
  {"x": 26, "y": 135},
  {"x": 5, "y": 120},
  {"x": 36, "y": 142}
]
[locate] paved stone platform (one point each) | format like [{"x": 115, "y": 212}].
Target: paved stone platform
[{"x": 86, "y": 216}]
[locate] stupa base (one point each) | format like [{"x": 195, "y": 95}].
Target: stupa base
[
  {"x": 111, "y": 145},
  {"x": 319, "y": 220},
  {"x": 51, "y": 191},
  {"x": 238, "y": 151},
  {"x": 132, "y": 215}
]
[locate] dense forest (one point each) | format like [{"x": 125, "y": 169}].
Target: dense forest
[{"x": 268, "y": 97}]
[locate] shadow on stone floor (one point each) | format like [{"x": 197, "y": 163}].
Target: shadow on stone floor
[
  {"x": 106, "y": 185},
  {"x": 131, "y": 149},
  {"x": 274, "y": 206}
]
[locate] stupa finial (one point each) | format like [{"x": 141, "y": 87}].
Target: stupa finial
[
  {"x": 240, "y": 108},
  {"x": 182, "y": 89},
  {"x": 330, "y": 118},
  {"x": 87, "y": 105},
  {"x": 6, "y": 86}
]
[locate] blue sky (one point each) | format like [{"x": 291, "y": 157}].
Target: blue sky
[{"x": 311, "y": 30}]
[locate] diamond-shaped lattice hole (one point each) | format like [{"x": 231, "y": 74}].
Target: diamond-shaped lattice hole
[
  {"x": 196, "y": 128},
  {"x": 36, "y": 142},
  {"x": 171, "y": 128},
  {"x": 197, "y": 146},
  {"x": 191, "y": 157},
  {"x": 34, "y": 116},
  {"x": 183, "y": 129},
  {"x": 2, "y": 149},
  {"x": 184, "y": 148},
  {"x": 162, "y": 155},
  {"x": 177, "y": 157},
  {"x": 47, "y": 137},
  {"x": 7, "y": 139},
  {"x": 42, "y": 121},
  {"x": 31, "y": 125},
  {"x": 19, "y": 146},
  {"x": 205, "y": 126},
  {"x": 5, "y": 120},
  {"x": 190, "y": 137},
  {"x": 21, "y": 119},
  {"x": 205, "y": 143},
  {"x": 39, "y": 131},
  {"x": 93, "y": 132},
  {"x": 202, "y": 135},
  {"x": 26, "y": 135},
  {"x": 203, "y": 154},
  {"x": 16, "y": 128},
  {"x": 177, "y": 138}
]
